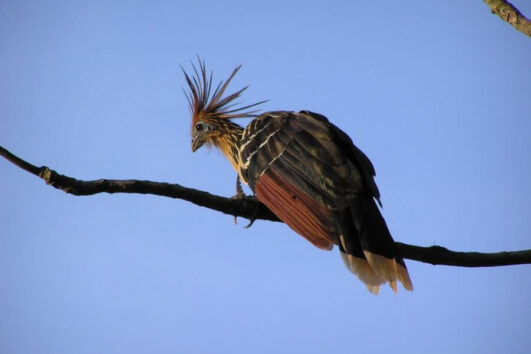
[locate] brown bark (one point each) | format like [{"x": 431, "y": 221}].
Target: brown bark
[
  {"x": 250, "y": 208},
  {"x": 510, "y": 14}
]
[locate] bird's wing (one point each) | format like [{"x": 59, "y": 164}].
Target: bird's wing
[
  {"x": 356, "y": 156},
  {"x": 310, "y": 174},
  {"x": 297, "y": 165}
]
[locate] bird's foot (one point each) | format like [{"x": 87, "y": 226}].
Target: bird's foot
[{"x": 239, "y": 195}]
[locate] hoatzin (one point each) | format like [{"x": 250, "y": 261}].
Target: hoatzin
[{"x": 306, "y": 171}]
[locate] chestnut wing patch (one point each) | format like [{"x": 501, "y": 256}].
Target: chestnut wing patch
[{"x": 299, "y": 211}]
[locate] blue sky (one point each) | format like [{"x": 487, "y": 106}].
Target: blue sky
[{"x": 435, "y": 93}]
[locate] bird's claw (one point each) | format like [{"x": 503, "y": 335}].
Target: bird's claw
[{"x": 253, "y": 218}]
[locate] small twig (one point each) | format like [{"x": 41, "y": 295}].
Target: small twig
[
  {"x": 19, "y": 162},
  {"x": 250, "y": 208}
]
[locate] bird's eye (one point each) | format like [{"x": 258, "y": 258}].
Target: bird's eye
[{"x": 199, "y": 127}]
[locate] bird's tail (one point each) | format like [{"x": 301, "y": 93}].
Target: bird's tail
[{"x": 367, "y": 248}]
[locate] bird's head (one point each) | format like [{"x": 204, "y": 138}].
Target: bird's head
[
  {"x": 211, "y": 112},
  {"x": 203, "y": 132}
]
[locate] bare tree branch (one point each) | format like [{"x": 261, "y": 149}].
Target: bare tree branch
[
  {"x": 246, "y": 207},
  {"x": 250, "y": 208},
  {"x": 510, "y": 14},
  {"x": 438, "y": 255}
]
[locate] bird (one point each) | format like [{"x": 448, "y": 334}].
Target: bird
[{"x": 306, "y": 170}]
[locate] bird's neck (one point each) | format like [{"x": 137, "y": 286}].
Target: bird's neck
[{"x": 229, "y": 142}]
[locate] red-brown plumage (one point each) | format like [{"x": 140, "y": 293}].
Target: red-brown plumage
[{"x": 303, "y": 214}]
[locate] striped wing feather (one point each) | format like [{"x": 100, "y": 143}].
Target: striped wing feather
[{"x": 302, "y": 150}]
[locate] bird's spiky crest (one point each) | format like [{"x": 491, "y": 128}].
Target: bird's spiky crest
[{"x": 203, "y": 104}]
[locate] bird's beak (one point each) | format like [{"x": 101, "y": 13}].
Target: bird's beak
[{"x": 197, "y": 142}]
